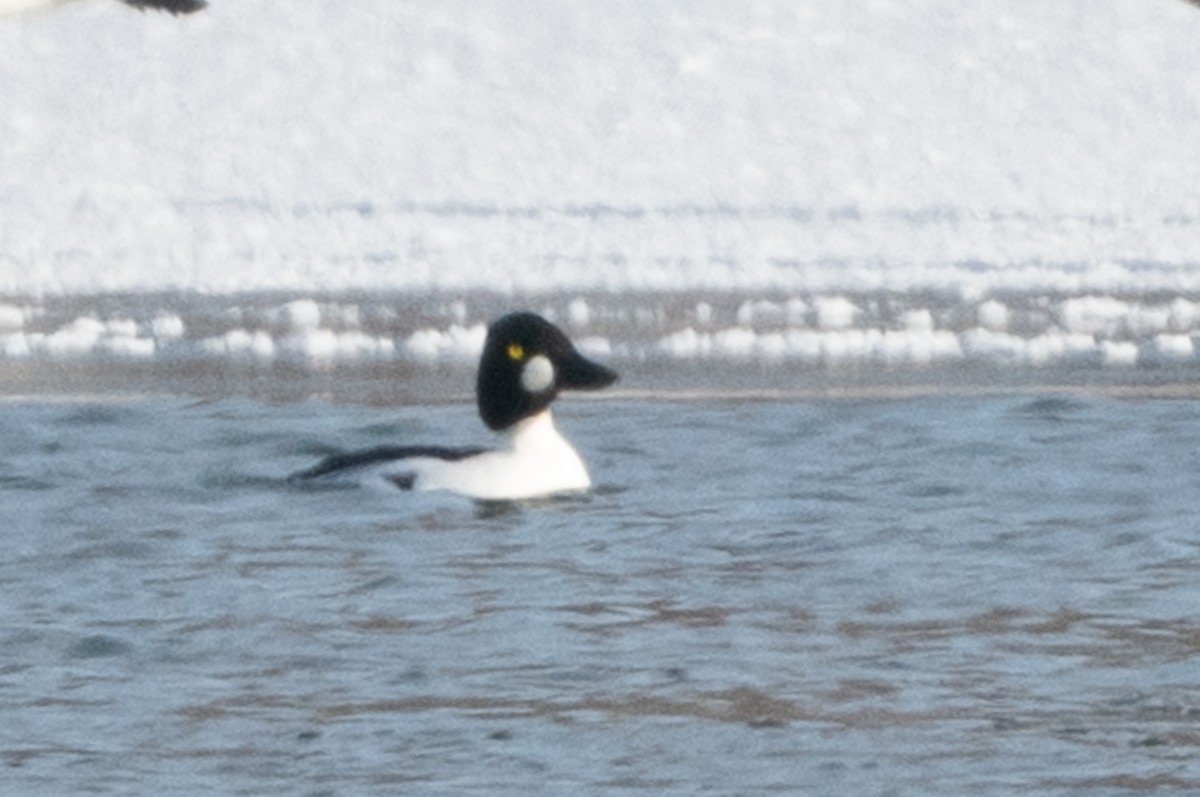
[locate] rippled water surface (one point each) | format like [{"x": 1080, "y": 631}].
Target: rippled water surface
[{"x": 916, "y": 596}]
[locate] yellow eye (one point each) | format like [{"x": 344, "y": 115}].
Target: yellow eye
[{"x": 515, "y": 352}]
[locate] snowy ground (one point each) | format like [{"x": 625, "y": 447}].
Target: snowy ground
[{"x": 903, "y": 181}]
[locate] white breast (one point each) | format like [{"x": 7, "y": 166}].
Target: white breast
[{"x": 537, "y": 461}]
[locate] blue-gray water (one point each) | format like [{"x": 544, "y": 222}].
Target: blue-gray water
[{"x": 909, "y": 596}]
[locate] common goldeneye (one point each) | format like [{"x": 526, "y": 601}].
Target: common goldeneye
[
  {"x": 526, "y": 362},
  {"x": 173, "y": 6}
]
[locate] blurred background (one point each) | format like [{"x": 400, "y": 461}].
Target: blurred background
[{"x": 884, "y": 191}]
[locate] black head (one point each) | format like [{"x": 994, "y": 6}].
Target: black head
[{"x": 526, "y": 362}]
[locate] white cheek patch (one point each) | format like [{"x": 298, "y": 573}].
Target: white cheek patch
[{"x": 537, "y": 375}]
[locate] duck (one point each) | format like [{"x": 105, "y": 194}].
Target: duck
[
  {"x": 525, "y": 364},
  {"x": 11, "y": 7}
]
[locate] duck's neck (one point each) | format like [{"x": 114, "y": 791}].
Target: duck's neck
[{"x": 537, "y": 432}]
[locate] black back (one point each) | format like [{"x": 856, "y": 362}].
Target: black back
[
  {"x": 337, "y": 464},
  {"x": 174, "y": 6}
]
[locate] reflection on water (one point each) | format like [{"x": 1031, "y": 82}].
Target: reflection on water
[{"x": 920, "y": 596}]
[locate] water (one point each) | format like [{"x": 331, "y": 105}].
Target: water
[{"x": 880, "y": 596}]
